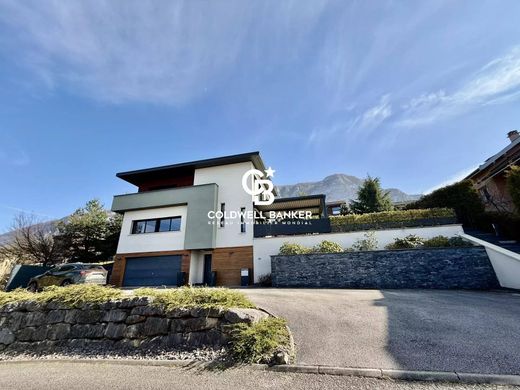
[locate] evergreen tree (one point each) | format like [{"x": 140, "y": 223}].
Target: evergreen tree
[
  {"x": 371, "y": 198},
  {"x": 513, "y": 185},
  {"x": 90, "y": 234}
]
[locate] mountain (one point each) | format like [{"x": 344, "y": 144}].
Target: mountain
[{"x": 337, "y": 187}]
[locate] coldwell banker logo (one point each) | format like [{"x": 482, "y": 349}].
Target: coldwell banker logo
[{"x": 261, "y": 190}]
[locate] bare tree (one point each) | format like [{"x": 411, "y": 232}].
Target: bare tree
[{"x": 31, "y": 241}]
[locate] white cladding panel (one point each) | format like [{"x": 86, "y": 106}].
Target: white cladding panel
[{"x": 152, "y": 242}]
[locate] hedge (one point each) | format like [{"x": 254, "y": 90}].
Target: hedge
[{"x": 393, "y": 219}]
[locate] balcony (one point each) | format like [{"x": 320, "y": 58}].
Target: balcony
[{"x": 292, "y": 227}]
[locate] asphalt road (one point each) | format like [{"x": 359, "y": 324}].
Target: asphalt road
[
  {"x": 465, "y": 331},
  {"x": 82, "y": 376}
]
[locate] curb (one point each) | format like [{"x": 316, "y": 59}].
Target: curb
[
  {"x": 381, "y": 373},
  {"x": 431, "y": 376}
]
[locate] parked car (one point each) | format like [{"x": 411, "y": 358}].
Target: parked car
[{"x": 65, "y": 274}]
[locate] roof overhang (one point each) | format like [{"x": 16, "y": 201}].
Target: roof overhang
[{"x": 136, "y": 177}]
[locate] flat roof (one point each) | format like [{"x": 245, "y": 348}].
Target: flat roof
[{"x": 137, "y": 176}]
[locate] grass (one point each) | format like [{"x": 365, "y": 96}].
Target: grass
[
  {"x": 75, "y": 295},
  {"x": 72, "y": 296},
  {"x": 256, "y": 343},
  {"x": 196, "y": 297}
]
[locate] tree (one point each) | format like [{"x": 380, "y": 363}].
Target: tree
[
  {"x": 90, "y": 234},
  {"x": 461, "y": 197},
  {"x": 371, "y": 198},
  {"x": 31, "y": 241},
  {"x": 513, "y": 185}
]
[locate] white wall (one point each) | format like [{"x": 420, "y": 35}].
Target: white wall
[
  {"x": 264, "y": 248},
  {"x": 505, "y": 262},
  {"x": 196, "y": 267},
  {"x": 230, "y": 191},
  {"x": 152, "y": 242}
]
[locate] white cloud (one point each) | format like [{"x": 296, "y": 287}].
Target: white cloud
[
  {"x": 159, "y": 52},
  {"x": 452, "y": 179},
  {"x": 495, "y": 83},
  {"x": 374, "y": 116}
]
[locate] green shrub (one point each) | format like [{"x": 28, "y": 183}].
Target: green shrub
[
  {"x": 410, "y": 241},
  {"x": 438, "y": 241},
  {"x": 458, "y": 241},
  {"x": 327, "y": 247},
  {"x": 378, "y": 220},
  {"x": 513, "y": 185},
  {"x": 196, "y": 296},
  {"x": 72, "y": 296},
  {"x": 507, "y": 224},
  {"x": 256, "y": 343},
  {"x": 461, "y": 197},
  {"x": 367, "y": 243},
  {"x": 288, "y": 248}
]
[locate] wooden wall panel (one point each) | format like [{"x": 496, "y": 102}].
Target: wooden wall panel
[{"x": 227, "y": 263}]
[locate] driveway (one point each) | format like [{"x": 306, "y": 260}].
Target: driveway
[{"x": 463, "y": 331}]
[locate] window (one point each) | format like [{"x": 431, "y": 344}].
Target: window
[
  {"x": 242, "y": 220},
  {"x": 222, "y": 219},
  {"x": 170, "y": 224},
  {"x": 336, "y": 210}
]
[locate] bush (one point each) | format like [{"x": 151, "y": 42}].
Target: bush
[
  {"x": 196, "y": 296},
  {"x": 461, "y": 197},
  {"x": 265, "y": 280},
  {"x": 398, "y": 217},
  {"x": 458, "y": 241},
  {"x": 327, "y": 247},
  {"x": 293, "y": 249},
  {"x": 413, "y": 241},
  {"x": 258, "y": 342},
  {"x": 72, "y": 296},
  {"x": 438, "y": 241},
  {"x": 410, "y": 241},
  {"x": 513, "y": 185},
  {"x": 506, "y": 224},
  {"x": 367, "y": 243}
]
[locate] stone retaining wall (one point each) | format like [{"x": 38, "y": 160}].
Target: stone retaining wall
[
  {"x": 440, "y": 268},
  {"x": 128, "y": 323}
]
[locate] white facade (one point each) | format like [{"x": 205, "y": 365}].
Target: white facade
[
  {"x": 230, "y": 192},
  {"x": 151, "y": 242},
  {"x": 264, "y": 248}
]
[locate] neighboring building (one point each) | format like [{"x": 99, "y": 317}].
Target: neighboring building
[
  {"x": 167, "y": 237},
  {"x": 490, "y": 178}
]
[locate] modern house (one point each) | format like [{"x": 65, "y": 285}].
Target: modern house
[
  {"x": 490, "y": 178},
  {"x": 218, "y": 222},
  {"x": 194, "y": 223}
]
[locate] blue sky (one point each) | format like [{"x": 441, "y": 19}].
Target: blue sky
[{"x": 417, "y": 93}]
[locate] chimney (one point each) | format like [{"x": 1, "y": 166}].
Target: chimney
[{"x": 513, "y": 135}]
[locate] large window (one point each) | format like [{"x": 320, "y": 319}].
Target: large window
[{"x": 170, "y": 224}]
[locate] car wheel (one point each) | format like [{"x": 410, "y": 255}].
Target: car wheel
[
  {"x": 32, "y": 287},
  {"x": 66, "y": 283}
]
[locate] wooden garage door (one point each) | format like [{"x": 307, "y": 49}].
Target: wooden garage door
[{"x": 152, "y": 271}]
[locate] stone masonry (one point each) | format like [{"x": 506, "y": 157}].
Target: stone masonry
[
  {"x": 123, "y": 324},
  {"x": 439, "y": 268}
]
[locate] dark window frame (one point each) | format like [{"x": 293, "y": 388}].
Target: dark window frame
[
  {"x": 223, "y": 218},
  {"x": 157, "y": 227},
  {"x": 242, "y": 220}
]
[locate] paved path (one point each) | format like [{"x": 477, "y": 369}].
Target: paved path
[
  {"x": 463, "y": 331},
  {"x": 82, "y": 376}
]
